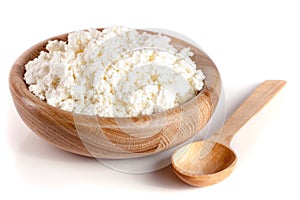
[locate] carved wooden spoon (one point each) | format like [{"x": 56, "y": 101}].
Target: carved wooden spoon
[{"x": 210, "y": 161}]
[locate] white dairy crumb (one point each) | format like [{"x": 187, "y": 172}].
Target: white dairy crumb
[{"x": 114, "y": 73}]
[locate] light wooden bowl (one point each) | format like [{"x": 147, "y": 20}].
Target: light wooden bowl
[{"x": 115, "y": 138}]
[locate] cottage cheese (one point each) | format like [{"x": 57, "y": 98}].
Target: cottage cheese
[{"x": 114, "y": 73}]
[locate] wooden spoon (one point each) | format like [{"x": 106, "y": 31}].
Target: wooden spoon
[{"x": 210, "y": 161}]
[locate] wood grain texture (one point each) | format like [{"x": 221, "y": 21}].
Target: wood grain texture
[
  {"x": 115, "y": 138},
  {"x": 210, "y": 161}
]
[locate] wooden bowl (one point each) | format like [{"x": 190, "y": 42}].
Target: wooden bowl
[{"x": 114, "y": 138}]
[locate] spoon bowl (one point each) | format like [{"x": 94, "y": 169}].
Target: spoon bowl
[
  {"x": 197, "y": 167},
  {"x": 210, "y": 161}
]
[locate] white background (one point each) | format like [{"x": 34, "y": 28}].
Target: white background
[{"x": 249, "y": 41}]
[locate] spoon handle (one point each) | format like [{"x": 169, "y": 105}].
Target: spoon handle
[{"x": 255, "y": 102}]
